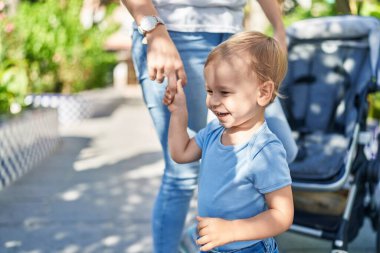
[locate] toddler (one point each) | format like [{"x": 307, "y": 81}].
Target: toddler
[{"x": 244, "y": 185}]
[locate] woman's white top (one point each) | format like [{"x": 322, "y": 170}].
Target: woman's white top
[{"x": 215, "y": 16}]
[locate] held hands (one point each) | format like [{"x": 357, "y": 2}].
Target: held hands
[
  {"x": 214, "y": 232},
  {"x": 175, "y": 101},
  {"x": 164, "y": 59}
]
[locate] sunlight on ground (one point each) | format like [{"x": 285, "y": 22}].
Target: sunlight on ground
[
  {"x": 140, "y": 246},
  {"x": 148, "y": 171},
  {"x": 111, "y": 240},
  {"x": 71, "y": 195},
  {"x": 12, "y": 244}
]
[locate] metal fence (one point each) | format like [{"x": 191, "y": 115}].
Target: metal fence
[{"x": 25, "y": 140}]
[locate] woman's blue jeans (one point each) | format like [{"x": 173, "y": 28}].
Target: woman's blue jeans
[{"x": 178, "y": 181}]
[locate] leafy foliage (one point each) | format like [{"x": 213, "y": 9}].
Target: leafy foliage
[
  {"x": 44, "y": 48},
  {"x": 62, "y": 55},
  {"x": 13, "y": 76}
]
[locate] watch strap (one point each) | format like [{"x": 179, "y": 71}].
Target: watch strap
[{"x": 158, "y": 21}]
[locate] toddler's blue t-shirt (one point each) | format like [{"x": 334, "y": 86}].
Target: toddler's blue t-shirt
[{"x": 233, "y": 179}]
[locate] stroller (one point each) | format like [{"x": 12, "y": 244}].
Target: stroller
[{"x": 333, "y": 66}]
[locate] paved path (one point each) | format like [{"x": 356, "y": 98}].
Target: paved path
[{"x": 95, "y": 193}]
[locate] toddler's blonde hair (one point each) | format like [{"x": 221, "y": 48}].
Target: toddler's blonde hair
[{"x": 264, "y": 56}]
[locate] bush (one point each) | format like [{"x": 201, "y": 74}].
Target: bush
[
  {"x": 44, "y": 48},
  {"x": 13, "y": 74},
  {"x": 294, "y": 11},
  {"x": 62, "y": 55}
]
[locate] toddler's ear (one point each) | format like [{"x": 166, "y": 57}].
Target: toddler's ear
[{"x": 265, "y": 93}]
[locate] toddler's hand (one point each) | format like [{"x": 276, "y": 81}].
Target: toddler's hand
[
  {"x": 176, "y": 101},
  {"x": 171, "y": 89},
  {"x": 214, "y": 232}
]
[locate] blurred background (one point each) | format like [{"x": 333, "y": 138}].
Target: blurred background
[
  {"x": 71, "y": 109},
  {"x": 69, "y": 46}
]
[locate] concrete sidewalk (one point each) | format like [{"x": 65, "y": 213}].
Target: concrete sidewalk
[{"x": 95, "y": 194}]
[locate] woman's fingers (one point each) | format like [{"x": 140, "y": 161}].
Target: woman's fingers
[
  {"x": 152, "y": 73},
  {"x": 160, "y": 75},
  {"x": 181, "y": 74}
]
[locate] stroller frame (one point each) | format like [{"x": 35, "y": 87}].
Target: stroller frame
[{"x": 359, "y": 175}]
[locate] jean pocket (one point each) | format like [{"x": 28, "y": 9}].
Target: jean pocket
[{"x": 270, "y": 245}]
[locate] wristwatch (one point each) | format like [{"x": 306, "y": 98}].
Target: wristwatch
[{"x": 149, "y": 23}]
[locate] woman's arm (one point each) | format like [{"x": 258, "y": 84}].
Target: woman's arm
[
  {"x": 182, "y": 148},
  {"x": 215, "y": 232},
  {"x": 140, "y": 8},
  {"x": 272, "y": 10},
  {"x": 163, "y": 57}
]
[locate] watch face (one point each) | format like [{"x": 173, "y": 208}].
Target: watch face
[{"x": 148, "y": 23}]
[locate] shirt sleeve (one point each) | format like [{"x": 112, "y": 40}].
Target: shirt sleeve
[
  {"x": 201, "y": 136},
  {"x": 270, "y": 171}
]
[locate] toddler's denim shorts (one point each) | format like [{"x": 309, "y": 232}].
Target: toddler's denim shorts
[{"x": 268, "y": 245}]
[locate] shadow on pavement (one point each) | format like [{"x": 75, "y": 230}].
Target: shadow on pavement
[{"x": 60, "y": 208}]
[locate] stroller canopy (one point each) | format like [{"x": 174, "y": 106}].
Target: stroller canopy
[{"x": 341, "y": 28}]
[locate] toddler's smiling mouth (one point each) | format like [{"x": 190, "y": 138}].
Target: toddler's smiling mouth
[{"x": 221, "y": 114}]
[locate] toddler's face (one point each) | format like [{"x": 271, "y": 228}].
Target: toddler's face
[{"x": 232, "y": 93}]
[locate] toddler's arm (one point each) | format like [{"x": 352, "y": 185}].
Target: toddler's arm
[
  {"x": 182, "y": 148},
  {"x": 215, "y": 232}
]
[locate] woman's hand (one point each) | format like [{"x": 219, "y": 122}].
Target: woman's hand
[{"x": 164, "y": 59}]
